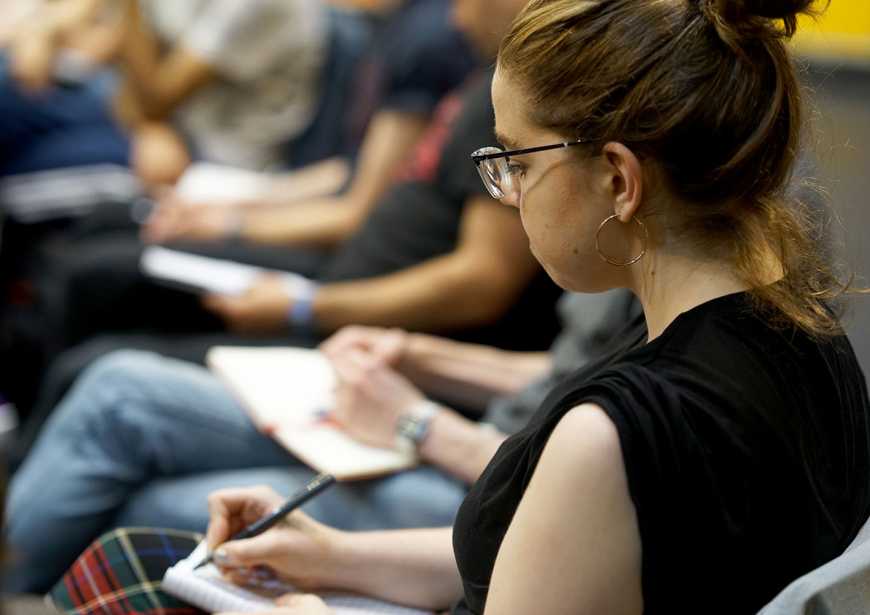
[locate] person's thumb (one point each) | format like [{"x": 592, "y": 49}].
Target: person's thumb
[
  {"x": 391, "y": 346},
  {"x": 257, "y": 551}
]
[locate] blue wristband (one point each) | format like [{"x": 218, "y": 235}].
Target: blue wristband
[{"x": 300, "y": 316}]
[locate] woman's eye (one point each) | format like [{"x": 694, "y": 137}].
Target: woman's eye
[{"x": 516, "y": 168}]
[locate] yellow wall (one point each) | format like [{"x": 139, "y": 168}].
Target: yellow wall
[{"x": 841, "y": 33}]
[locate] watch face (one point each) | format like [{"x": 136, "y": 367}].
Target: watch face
[{"x": 412, "y": 428}]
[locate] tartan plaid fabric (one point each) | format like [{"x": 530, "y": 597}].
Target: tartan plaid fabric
[{"x": 120, "y": 574}]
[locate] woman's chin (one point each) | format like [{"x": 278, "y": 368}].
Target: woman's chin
[{"x": 575, "y": 285}]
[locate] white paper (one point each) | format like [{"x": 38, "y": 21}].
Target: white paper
[
  {"x": 205, "y": 182},
  {"x": 208, "y": 590},
  {"x": 210, "y": 275},
  {"x": 289, "y": 392}
]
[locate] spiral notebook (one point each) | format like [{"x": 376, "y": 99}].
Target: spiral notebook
[{"x": 208, "y": 590}]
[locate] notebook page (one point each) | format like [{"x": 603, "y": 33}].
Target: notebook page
[
  {"x": 331, "y": 451},
  {"x": 288, "y": 393},
  {"x": 199, "y": 272},
  {"x": 208, "y": 590},
  {"x": 207, "y": 274},
  {"x": 277, "y": 385},
  {"x": 205, "y": 182}
]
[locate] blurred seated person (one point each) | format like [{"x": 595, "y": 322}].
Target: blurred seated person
[
  {"x": 142, "y": 440},
  {"x": 211, "y": 79},
  {"x": 419, "y": 58},
  {"x": 437, "y": 254}
]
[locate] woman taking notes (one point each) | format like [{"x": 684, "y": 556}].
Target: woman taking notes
[{"x": 721, "y": 450}]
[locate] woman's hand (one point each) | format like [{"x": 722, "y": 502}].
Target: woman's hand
[
  {"x": 298, "y": 550},
  {"x": 385, "y": 346},
  {"x": 371, "y": 397}
]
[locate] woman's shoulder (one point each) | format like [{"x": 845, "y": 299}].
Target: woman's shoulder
[{"x": 718, "y": 359}]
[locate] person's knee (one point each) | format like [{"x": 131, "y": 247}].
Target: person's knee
[
  {"x": 423, "y": 498},
  {"x": 119, "y": 367},
  {"x": 110, "y": 380}
]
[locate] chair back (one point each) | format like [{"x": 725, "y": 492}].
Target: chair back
[{"x": 840, "y": 587}]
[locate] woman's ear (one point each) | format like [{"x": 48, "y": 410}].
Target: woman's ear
[{"x": 626, "y": 179}]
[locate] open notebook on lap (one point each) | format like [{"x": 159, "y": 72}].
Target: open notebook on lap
[{"x": 289, "y": 392}]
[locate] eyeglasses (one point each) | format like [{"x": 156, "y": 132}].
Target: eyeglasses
[{"x": 498, "y": 174}]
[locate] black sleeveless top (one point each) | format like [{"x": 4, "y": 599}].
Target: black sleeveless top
[{"x": 747, "y": 453}]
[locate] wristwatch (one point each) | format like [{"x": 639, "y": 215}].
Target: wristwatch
[{"x": 413, "y": 426}]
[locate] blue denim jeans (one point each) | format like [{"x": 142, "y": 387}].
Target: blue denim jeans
[
  {"x": 64, "y": 126},
  {"x": 141, "y": 440}
]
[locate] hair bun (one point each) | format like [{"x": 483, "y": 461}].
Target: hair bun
[
  {"x": 755, "y": 17},
  {"x": 769, "y": 9}
]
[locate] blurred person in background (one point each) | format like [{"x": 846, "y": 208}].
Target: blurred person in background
[
  {"x": 209, "y": 79},
  {"x": 418, "y": 58},
  {"x": 414, "y": 61},
  {"x": 437, "y": 254}
]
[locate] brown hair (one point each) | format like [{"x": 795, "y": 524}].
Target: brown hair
[{"x": 706, "y": 89}]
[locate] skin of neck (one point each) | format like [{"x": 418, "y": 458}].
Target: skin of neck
[{"x": 668, "y": 284}]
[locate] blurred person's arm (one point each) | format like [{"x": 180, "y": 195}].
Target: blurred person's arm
[
  {"x": 382, "y": 373},
  {"x": 286, "y": 215},
  {"x": 469, "y": 375},
  {"x": 154, "y": 84},
  {"x": 374, "y": 6},
  {"x": 329, "y": 221},
  {"x": 15, "y": 16},
  {"x": 34, "y": 46},
  {"x": 459, "y": 446},
  {"x": 457, "y": 372},
  {"x": 372, "y": 399},
  {"x": 473, "y": 285},
  {"x": 61, "y": 17}
]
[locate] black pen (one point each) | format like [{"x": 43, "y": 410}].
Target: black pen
[{"x": 314, "y": 487}]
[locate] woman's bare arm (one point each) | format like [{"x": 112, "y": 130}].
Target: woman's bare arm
[{"x": 575, "y": 532}]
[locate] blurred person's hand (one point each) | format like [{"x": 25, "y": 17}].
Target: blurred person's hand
[
  {"x": 97, "y": 43},
  {"x": 31, "y": 61},
  {"x": 371, "y": 397},
  {"x": 377, "y": 6},
  {"x": 158, "y": 155},
  {"x": 298, "y": 549},
  {"x": 260, "y": 310},
  {"x": 386, "y": 346},
  {"x": 175, "y": 218}
]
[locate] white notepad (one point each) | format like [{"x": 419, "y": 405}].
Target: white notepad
[
  {"x": 288, "y": 392},
  {"x": 208, "y": 590},
  {"x": 210, "y": 275},
  {"x": 215, "y": 184}
]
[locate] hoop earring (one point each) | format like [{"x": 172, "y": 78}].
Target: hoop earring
[{"x": 644, "y": 239}]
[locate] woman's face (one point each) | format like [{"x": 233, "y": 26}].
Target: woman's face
[{"x": 564, "y": 198}]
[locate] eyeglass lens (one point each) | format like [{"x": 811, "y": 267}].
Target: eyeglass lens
[{"x": 496, "y": 175}]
